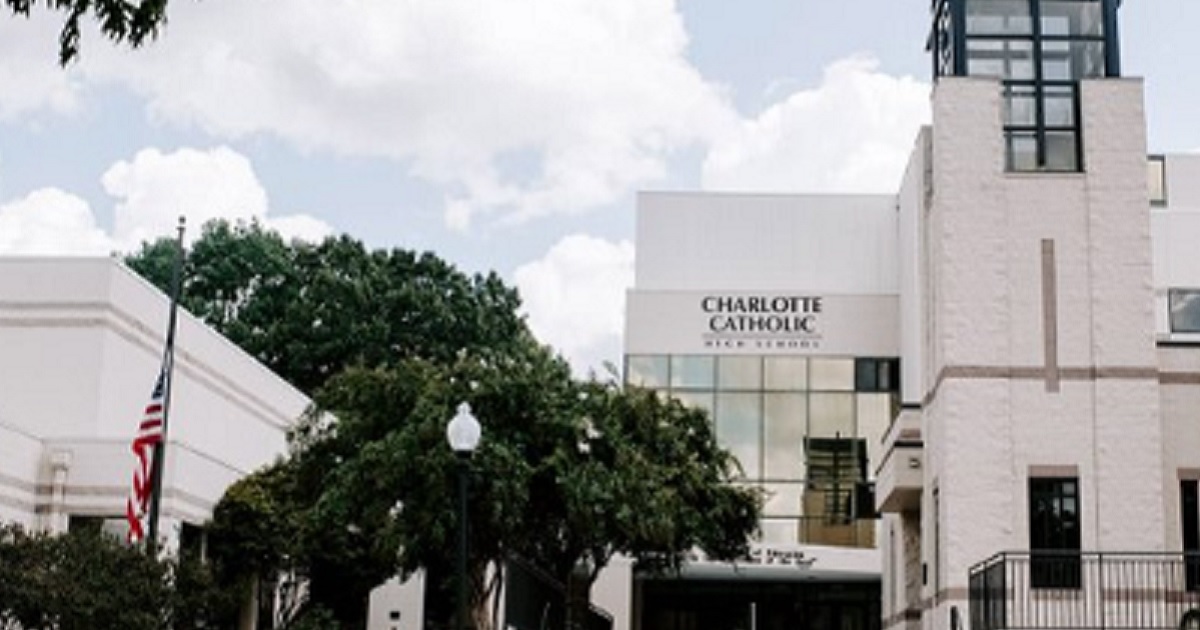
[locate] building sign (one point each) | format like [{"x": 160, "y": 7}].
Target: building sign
[
  {"x": 776, "y": 320},
  {"x": 679, "y": 322},
  {"x": 779, "y": 560},
  {"x": 765, "y": 555}
]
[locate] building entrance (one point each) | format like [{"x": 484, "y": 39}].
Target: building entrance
[{"x": 681, "y": 604}]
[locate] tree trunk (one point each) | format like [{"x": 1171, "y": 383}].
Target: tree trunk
[
  {"x": 248, "y": 615},
  {"x": 578, "y": 588}
]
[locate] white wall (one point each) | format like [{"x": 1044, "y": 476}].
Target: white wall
[
  {"x": 915, "y": 190},
  {"x": 992, "y": 418},
  {"x": 82, "y": 344},
  {"x": 708, "y": 241},
  {"x": 1175, "y": 231},
  {"x": 1183, "y": 181}
]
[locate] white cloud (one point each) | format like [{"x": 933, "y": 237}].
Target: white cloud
[
  {"x": 853, "y": 133},
  {"x": 30, "y": 79},
  {"x": 50, "y": 221},
  {"x": 574, "y": 297},
  {"x": 598, "y": 93},
  {"x": 300, "y": 227},
  {"x": 154, "y": 189}
]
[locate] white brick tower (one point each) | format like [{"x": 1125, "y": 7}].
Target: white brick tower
[{"x": 1031, "y": 418}]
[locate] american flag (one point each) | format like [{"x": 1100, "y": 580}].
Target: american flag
[{"x": 148, "y": 436}]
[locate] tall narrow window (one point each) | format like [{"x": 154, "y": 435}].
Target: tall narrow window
[
  {"x": 1156, "y": 179},
  {"x": 1190, "y": 512},
  {"x": 1054, "y": 532}
]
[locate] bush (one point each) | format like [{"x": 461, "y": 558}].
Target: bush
[{"x": 87, "y": 579}]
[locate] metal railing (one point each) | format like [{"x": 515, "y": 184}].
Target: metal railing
[{"x": 1046, "y": 590}]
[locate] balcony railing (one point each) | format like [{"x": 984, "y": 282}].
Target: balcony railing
[{"x": 1044, "y": 590}]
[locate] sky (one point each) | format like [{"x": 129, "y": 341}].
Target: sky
[{"x": 506, "y": 135}]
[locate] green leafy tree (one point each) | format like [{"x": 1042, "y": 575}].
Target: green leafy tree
[
  {"x": 636, "y": 475},
  {"x": 568, "y": 474},
  {"x": 119, "y": 20},
  {"x": 388, "y": 343},
  {"x": 309, "y": 311},
  {"x": 390, "y": 502}
]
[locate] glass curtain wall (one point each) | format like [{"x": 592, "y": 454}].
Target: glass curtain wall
[
  {"x": 805, "y": 430},
  {"x": 1039, "y": 50}
]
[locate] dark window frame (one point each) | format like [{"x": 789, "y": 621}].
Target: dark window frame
[
  {"x": 1054, "y": 533},
  {"x": 1189, "y": 509}
]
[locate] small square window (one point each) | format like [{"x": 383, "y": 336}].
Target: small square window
[{"x": 1185, "y": 310}]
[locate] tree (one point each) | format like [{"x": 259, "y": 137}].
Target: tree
[
  {"x": 388, "y": 498},
  {"x": 640, "y": 476},
  {"x": 568, "y": 474},
  {"x": 309, "y": 311},
  {"x": 119, "y": 20},
  {"x": 388, "y": 343}
]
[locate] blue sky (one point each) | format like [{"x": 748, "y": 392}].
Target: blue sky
[{"x": 508, "y": 135}]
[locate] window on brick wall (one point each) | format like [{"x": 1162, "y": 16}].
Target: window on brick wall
[
  {"x": 1054, "y": 532},
  {"x": 1185, "y": 310}
]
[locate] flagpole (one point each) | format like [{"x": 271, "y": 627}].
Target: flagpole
[{"x": 160, "y": 449}]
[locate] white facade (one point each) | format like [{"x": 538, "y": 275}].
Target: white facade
[
  {"x": 765, "y": 310},
  {"x": 81, "y": 344},
  {"x": 1048, "y": 330},
  {"x": 1037, "y": 345}
]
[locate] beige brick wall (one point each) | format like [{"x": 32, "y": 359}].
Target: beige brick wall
[{"x": 991, "y": 413}]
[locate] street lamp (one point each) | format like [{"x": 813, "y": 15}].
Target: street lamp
[{"x": 463, "y": 433}]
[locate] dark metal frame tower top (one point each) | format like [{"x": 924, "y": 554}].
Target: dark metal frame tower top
[{"x": 1039, "y": 50}]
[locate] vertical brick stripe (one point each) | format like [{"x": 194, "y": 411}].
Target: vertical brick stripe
[{"x": 1050, "y": 315}]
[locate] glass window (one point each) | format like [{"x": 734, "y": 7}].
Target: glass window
[
  {"x": 1185, "y": 310},
  {"x": 998, "y": 17},
  {"x": 114, "y": 526},
  {"x": 1062, "y": 151},
  {"x": 786, "y": 373},
  {"x": 692, "y": 372},
  {"x": 1022, "y": 150},
  {"x": 874, "y": 416},
  {"x": 1064, "y": 60},
  {"x": 1020, "y": 105},
  {"x": 1060, "y": 105},
  {"x": 785, "y": 420},
  {"x": 831, "y": 415},
  {"x": 835, "y": 466},
  {"x": 1189, "y": 507},
  {"x": 696, "y": 400},
  {"x": 1054, "y": 532},
  {"x": 1072, "y": 18},
  {"x": 739, "y": 373},
  {"x": 646, "y": 370},
  {"x": 1000, "y": 58},
  {"x": 877, "y": 375},
  {"x": 1156, "y": 174},
  {"x": 780, "y": 530},
  {"x": 782, "y": 499},
  {"x": 739, "y": 429},
  {"x": 831, "y": 375}
]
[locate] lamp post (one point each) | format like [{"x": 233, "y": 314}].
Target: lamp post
[{"x": 463, "y": 433}]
